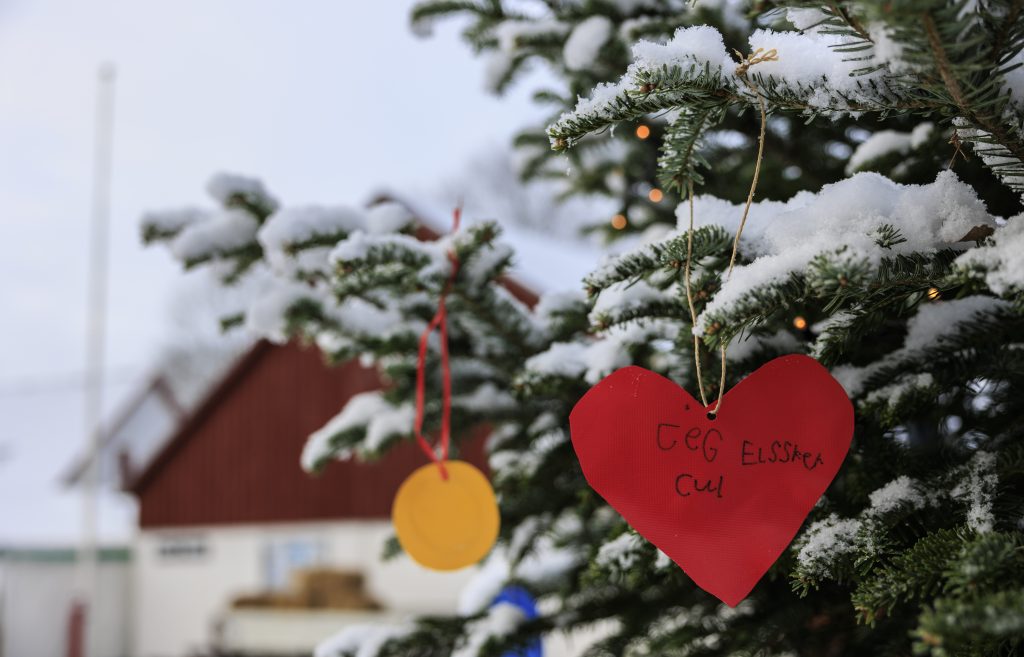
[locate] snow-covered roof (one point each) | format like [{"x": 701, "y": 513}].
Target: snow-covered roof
[{"x": 142, "y": 425}]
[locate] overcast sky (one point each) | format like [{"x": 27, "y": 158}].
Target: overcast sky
[{"x": 324, "y": 101}]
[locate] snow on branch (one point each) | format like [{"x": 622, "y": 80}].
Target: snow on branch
[
  {"x": 367, "y": 420},
  {"x": 841, "y": 223},
  {"x": 999, "y": 263},
  {"x": 694, "y": 70}
]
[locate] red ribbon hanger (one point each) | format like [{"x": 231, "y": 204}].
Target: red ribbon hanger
[{"x": 440, "y": 321}]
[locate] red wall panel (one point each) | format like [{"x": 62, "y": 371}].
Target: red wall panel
[{"x": 237, "y": 459}]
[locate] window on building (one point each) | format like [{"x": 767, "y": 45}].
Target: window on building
[{"x": 285, "y": 556}]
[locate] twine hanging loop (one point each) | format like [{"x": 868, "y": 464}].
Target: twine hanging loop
[{"x": 758, "y": 56}]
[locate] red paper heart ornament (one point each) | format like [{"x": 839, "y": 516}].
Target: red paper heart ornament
[{"x": 723, "y": 497}]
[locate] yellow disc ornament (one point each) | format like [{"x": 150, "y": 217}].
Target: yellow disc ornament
[{"x": 446, "y": 524}]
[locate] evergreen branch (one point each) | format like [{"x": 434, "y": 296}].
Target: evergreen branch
[
  {"x": 680, "y": 152},
  {"x": 975, "y": 113},
  {"x": 668, "y": 255},
  {"x": 980, "y": 625},
  {"x": 916, "y": 574},
  {"x": 653, "y": 91}
]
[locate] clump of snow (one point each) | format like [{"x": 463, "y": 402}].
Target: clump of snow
[
  {"x": 853, "y": 378},
  {"x": 621, "y": 552},
  {"x": 824, "y": 329},
  {"x": 825, "y": 542},
  {"x": 368, "y": 409},
  {"x": 902, "y": 492},
  {"x": 398, "y": 420},
  {"x": 585, "y": 42},
  {"x": 935, "y": 321},
  {"x": 223, "y": 232},
  {"x": 887, "y": 50},
  {"x": 547, "y": 562},
  {"x": 526, "y": 463},
  {"x": 807, "y": 59},
  {"x": 814, "y": 61},
  {"x": 331, "y": 342},
  {"x": 623, "y": 297},
  {"x": 566, "y": 359},
  {"x": 885, "y": 142},
  {"x": 690, "y": 46},
  {"x": 599, "y": 100},
  {"x": 486, "y": 263},
  {"x": 301, "y": 223},
  {"x": 893, "y": 393},
  {"x": 512, "y": 36},
  {"x": 805, "y": 18},
  {"x": 224, "y": 187},
  {"x": 551, "y": 304},
  {"x": 291, "y": 226},
  {"x": 842, "y": 219},
  {"x": 1000, "y": 263},
  {"x": 596, "y": 359},
  {"x": 359, "y": 243},
  {"x": 485, "y": 585},
  {"x": 511, "y": 33},
  {"x": 977, "y": 488},
  {"x": 362, "y": 640},
  {"x": 486, "y": 398},
  {"x": 525, "y": 533},
  {"x": 388, "y": 217},
  {"x": 701, "y": 45},
  {"x": 631, "y": 29},
  {"x": 812, "y": 64},
  {"x": 171, "y": 222},
  {"x": 266, "y": 316},
  {"x": 501, "y": 620},
  {"x": 496, "y": 67},
  {"x": 611, "y": 351},
  {"x": 361, "y": 317}
]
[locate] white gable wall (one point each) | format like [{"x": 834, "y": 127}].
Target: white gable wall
[{"x": 186, "y": 578}]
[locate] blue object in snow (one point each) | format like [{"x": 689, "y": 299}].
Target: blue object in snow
[{"x": 521, "y": 598}]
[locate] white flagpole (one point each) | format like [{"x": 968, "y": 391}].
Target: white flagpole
[{"x": 87, "y": 588}]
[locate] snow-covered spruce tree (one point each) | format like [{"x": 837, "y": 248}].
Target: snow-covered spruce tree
[
  {"x": 582, "y": 44},
  {"x": 913, "y": 294}
]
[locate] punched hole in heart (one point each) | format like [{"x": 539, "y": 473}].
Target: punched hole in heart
[{"x": 712, "y": 415}]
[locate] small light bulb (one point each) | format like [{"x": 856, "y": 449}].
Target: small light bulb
[
  {"x": 643, "y": 132},
  {"x": 655, "y": 195},
  {"x": 619, "y": 221},
  {"x": 799, "y": 323},
  {"x": 933, "y": 293}
]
